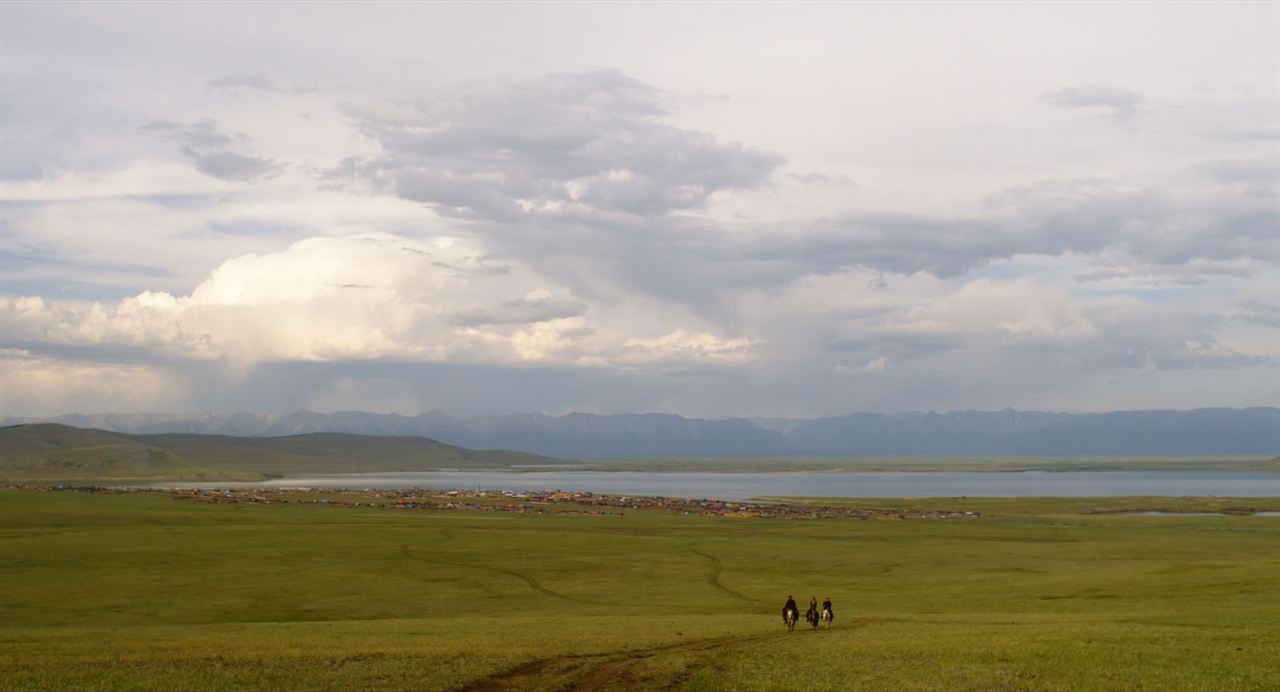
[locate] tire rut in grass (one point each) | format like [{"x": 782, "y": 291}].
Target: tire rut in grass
[
  {"x": 533, "y": 583},
  {"x": 502, "y": 681},
  {"x": 600, "y": 676},
  {"x": 528, "y": 580},
  {"x": 714, "y": 579},
  {"x": 597, "y": 675}
]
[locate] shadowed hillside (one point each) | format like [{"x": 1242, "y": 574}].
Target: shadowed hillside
[{"x": 50, "y": 451}]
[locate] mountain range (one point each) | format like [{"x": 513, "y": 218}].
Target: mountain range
[{"x": 1199, "y": 432}]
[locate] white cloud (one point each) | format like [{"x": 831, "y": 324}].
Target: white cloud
[
  {"x": 369, "y": 296},
  {"x": 162, "y": 225},
  {"x": 1006, "y": 310},
  {"x": 141, "y": 178},
  {"x": 49, "y": 385},
  {"x": 681, "y": 347}
]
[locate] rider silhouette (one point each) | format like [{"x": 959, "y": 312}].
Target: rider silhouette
[
  {"x": 812, "y": 615},
  {"x": 791, "y": 605},
  {"x": 826, "y": 605}
]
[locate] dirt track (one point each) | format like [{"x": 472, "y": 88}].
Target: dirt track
[
  {"x": 714, "y": 579},
  {"x": 590, "y": 673}
]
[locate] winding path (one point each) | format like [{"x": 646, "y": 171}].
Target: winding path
[
  {"x": 530, "y": 581},
  {"x": 714, "y": 579}
]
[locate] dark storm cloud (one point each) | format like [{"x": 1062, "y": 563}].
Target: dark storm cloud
[
  {"x": 1049, "y": 218},
  {"x": 198, "y": 135},
  {"x": 898, "y": 345},
  {"x": 229, "y": 165},
  {"x": 211, "y": 150},
  {"x": 597, "y": 140},
  {"x": 579, "y": 174},
  {"x": 584, "y": 165},
  {"x": 703, "y": 264},
  {"x": 1117, "y": 100}
]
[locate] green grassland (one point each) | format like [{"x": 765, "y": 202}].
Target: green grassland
[{"x": 144, "y": 591}]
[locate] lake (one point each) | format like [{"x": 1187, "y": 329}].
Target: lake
[{"x": 741, "y": 486}]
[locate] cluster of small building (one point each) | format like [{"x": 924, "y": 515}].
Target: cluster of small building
[{"x": 580, "y": 503}]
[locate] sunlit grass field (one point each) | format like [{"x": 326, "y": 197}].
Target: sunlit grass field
[{"x": 143, "y": 591}]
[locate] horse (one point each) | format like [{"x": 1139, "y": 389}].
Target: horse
[
  {"x": 812, "y": 617},
  {"x": 789, "y": 617},
  {"x": 828, "y": 616}
]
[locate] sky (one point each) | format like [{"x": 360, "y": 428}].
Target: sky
[{"x": 712, "y": 210}]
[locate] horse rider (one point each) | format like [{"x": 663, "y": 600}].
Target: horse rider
[
  {"x": 812, "y": 614},
  {"x": 791, "y": 605},
  {"x": 826, "y": 605}
]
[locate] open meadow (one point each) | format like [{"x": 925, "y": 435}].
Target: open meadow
[{"x": 145, "y": 590}]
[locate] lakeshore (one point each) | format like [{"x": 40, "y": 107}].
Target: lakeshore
[{"x": 747, "y": 485}]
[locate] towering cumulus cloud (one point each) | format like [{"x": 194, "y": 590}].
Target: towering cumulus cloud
[{"x": 368, "y": 296}]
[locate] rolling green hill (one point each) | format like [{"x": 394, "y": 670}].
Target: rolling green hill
[{"x": 53, "y": 452}]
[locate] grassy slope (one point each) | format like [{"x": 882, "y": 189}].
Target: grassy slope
[
  {"x": 147, "y": 591},
  {"x": 52, "y": 452}
]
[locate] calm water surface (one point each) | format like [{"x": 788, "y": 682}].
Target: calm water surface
[
  {"x": 740, "y": 486},
  {"x": 1159, "y": 513}
]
